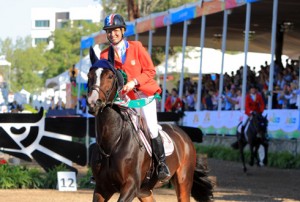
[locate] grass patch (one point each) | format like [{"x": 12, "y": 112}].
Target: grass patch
[{"x": 284, "y": 160}]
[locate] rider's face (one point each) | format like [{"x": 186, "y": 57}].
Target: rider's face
[
  {"x": 114, "y": 35},
  {"x": 252, "y": 90}
]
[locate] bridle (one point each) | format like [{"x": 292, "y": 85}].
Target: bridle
[
  {"x": 258, "y": 126},
  {"x": 100, "y": 104}
]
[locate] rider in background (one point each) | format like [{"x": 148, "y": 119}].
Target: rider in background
[
  {"x": 173, "y": 102},
  {"x": 134, "y": 60},
  {"x": 254, "y": 103}
]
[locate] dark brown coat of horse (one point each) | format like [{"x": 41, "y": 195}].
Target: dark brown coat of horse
[
  {"x": 120, "y": 162},
  {"x": 255, "y": 135}
]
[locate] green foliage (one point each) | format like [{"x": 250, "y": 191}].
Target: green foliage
[
  {"x": 14, "y": 177},
  {"x": 85, "y": 181},
  {"x": 284, "y": 160},
  {"x": 50, "y": 178}
]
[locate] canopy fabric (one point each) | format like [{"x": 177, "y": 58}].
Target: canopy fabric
[
  {"x": 212, "y": 61},
  {"x": 64, "y": 77},
  {"x": 3, "y": 61}
]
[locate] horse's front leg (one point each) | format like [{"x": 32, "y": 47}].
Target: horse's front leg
[
  {"x": 257, "y": 155},
  {"x": 128, "y": 191},
  {"x": 97, "y": 197},
  {"x": 148, "y": 198},
  {"x": 241, "y": 147}
]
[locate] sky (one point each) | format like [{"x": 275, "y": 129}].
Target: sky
[{"x": 15, "y": 15}]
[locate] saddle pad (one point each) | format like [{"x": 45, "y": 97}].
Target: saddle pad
[{"x": 167, "y": 142}]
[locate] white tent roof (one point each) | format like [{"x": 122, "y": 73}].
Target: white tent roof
[
  {"x": 3, "y": 61},
  {"x": 64, "y": 77},
  {"x": 211, "y": 62}
]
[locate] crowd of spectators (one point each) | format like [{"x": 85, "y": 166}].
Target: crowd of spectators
[{"x": 285, "y": 92}]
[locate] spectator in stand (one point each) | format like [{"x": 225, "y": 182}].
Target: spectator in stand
[
  {"x": 190, "y": 100},
  {"x": 60, "y": 105},
  {"x": 173, "y": 102},
  {"x": 292, "y": 96},
  {"x": 227, "y": 98},
  {"x": 82, "y": 103},
  {"x": 207, "y": 100},
  {"x": 237, "y": 99}
]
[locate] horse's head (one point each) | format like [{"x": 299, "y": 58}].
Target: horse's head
[
  {"x": 261, "y": 123},
  {"x": 104, "y": 82}
]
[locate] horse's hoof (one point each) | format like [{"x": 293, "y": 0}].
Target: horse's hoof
[
  {"x": 245, "y": 170},
  {"x": 251, "y": 163}
]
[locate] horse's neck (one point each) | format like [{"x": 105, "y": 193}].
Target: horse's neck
[{"x": 109, "y": 124}]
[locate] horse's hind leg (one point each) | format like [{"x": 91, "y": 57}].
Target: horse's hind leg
[
  {"x": 265, "y": 145},
  {"x": 183, "y": 181}
]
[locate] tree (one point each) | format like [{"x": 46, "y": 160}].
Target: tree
[
  {"x": 27, "y": 66},
  {"x": 66, "y": 51}
]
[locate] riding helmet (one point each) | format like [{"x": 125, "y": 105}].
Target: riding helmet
[{"x": 114, "y": 21}]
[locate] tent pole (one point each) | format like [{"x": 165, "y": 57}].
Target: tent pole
[
  {"x": 202, "y": 37},
  {"x": 225, "y": 20},
  {"x": 79, "y": 83},
  {"x": 273, "y": 43},
  {"x": 185, "y": 26},
  {"x": 246, "y": 46},
  {"x": 166, "y": 68}
]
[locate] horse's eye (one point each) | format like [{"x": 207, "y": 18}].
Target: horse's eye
[{"x": 111, "y": 76}]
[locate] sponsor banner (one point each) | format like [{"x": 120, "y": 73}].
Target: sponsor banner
[
  {"x": 158, "y": 19},
  {"x": 282, "y": 123},
  {"x": 144, "y": 24},
  {"x": 182, "y": 13},
  {"x": 100, "y": 38},
  {"x": 86, "y": 42},
  {"x": 130, "y": 29}
]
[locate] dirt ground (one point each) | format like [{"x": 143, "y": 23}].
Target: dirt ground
[{"x": 260, "y": 184}]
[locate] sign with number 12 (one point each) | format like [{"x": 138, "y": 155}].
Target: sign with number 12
[{"x": 66, "y": 181}]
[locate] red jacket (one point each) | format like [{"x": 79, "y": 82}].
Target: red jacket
[
  {"x": 169, "y": 106},
  {"x": 138, "y": 65},
  {"x": 256, "y": 105}
]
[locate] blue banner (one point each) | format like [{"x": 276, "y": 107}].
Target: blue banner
[
  {"x": 86, "y": 43},
  {"x": 183, "y": 14},
  {"x": 130, "y": 29}
]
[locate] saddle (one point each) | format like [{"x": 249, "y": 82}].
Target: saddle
[{"x": 142, "y": 130}]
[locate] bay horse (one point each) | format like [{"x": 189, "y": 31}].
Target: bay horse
[
  {"x": 120, "y": 162},
  {"x": 255, "y": 135}
]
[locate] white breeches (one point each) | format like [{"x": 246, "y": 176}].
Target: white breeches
[{"x": 149, "y": 113}]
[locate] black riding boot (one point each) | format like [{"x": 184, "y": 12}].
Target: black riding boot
[{"x": 159, "y": 153}]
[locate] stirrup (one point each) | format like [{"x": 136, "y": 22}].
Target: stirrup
[
  {"x": 162, "y": 171},
  {"x": 92, "y": 180}
]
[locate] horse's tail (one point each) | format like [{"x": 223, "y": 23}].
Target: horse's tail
[{"x": 202, "y": 189}]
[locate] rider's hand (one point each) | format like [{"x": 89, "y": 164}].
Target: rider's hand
[{"x": 128, "y": 87}]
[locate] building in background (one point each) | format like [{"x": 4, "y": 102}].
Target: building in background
[{"x": 44, "y": 21}]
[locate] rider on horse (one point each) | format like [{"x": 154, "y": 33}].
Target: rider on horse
[
  {"x": 133, "y": 59},
  {"x": 254, "y": 103}
]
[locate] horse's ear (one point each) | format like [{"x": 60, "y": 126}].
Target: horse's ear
[
  {"x": 111, "y": 55},
  {"x": 93, "y": 56}
]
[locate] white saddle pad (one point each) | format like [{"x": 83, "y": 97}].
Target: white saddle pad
[{"x": 167, "y": 142}]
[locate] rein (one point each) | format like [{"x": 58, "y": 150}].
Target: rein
[{"x": 106, "y": 155}]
